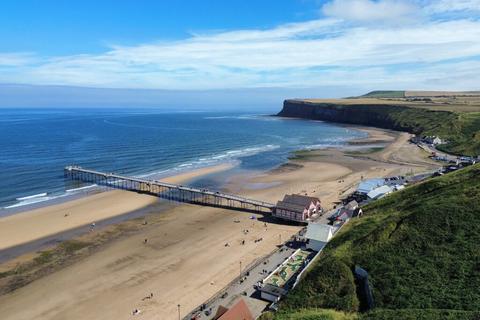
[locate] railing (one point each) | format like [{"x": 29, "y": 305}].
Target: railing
[{"x": 167, "y": 190}]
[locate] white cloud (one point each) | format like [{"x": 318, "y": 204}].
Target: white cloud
[
  {"x": 440, "y": 6},
  {"x": 15, "y": 59},
  {"x": 369, "y": 11},
  {"x": 326, "y": 51}
]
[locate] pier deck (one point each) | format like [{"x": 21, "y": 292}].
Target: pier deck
[{"x": 168, "y": 191}]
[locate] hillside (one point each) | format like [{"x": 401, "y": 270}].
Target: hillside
[
  {"x": 458, "y": 124},
  {"x": 385, "y": 94},
  {"x": 420, "y": 247},
  {"x": 420, "y": 94}
]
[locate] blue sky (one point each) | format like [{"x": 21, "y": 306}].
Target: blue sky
[
  {"x": 333, "y": 47},
  {"x": 57, "y": 27}
]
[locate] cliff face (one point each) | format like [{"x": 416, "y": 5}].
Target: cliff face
[
  {"x": 460, "y": 130},
  {"x": 369, "y": 115},
  {"x": 385, "y": 116}
]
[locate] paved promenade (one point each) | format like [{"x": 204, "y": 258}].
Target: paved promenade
[{"x": 245, "y": 287}]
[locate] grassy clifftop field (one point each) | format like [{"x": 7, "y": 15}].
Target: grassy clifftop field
[
  {"x": 421, "y": 248},
  {"x": 455, "y": 118}
]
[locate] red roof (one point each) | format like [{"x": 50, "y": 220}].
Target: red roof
[{"x": 239, "y": 311}]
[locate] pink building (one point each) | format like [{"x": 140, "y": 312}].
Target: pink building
[{"x": 296, "y": 207}]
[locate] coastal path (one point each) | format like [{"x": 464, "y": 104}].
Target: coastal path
[{"x": 168, "y": 191}]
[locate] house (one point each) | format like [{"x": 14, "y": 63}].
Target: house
[
  {"x": 239, "y": 311},
  {"x": 379, "y": 192},
  {"x": 434, "y": 140},
  {"x": 297, "y": 207},
  {"x": 318, "y": 235}
]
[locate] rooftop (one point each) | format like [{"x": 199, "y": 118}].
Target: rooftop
[
  {"x": 378, "y": 192},
  {"x": 319, "y": 232},
  {"x": 239, "y": 311},
  {"x": 368, "y": 185},
  {"x": 296, "y": 202}
]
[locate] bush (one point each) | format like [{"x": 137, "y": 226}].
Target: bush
[{"x": 330, "y": 284}]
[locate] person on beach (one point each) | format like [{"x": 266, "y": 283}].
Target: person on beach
[{"x": 145, "y": 241}]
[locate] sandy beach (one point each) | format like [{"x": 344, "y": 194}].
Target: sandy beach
[
  {"x": 185, "y": 260},
  {"x": 35, "y": 224}
]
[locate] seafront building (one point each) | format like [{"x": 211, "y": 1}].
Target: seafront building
[
  {"x": 318, "y": 235},
  {"x": 297, "y": 208},
  {"x": 239, "y": 311}
]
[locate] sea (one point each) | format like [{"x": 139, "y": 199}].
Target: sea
[{"x": 36, "y": 145}]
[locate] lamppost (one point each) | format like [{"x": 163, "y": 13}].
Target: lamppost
[{"x": 178, "y": 306}]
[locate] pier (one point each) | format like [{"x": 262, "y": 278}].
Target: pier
[{"x": 168, "y": 191}]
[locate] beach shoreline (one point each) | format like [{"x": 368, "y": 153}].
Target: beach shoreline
[
  {"x": 31, "y": 225},
  {"x": 185, "y": 237},
  {"x": 137, "y": 203}
]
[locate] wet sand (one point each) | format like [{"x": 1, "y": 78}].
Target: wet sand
[
  {"x": 32, "y": 225},
  {"x": 185, "y": 260}
]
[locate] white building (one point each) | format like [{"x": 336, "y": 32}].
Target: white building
[
  {"x": 368, "y": 185},
  {"x": 437, "y": 140},
  {"x": 379, "y": 192},
  {"x": 318, "y": 235},
  {"x": 434, "y": 140}
]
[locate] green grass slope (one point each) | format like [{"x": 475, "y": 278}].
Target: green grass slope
[
  {"x": 421, "y": 248},
  {"x": 310, "y": 314},
  {"x": 464, "y": 135},
  {"x": 385, "y": 94}
]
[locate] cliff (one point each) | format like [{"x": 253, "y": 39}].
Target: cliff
[
  {"x": 460, "y": 129},
  {"x": 387, "y": 116}
]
